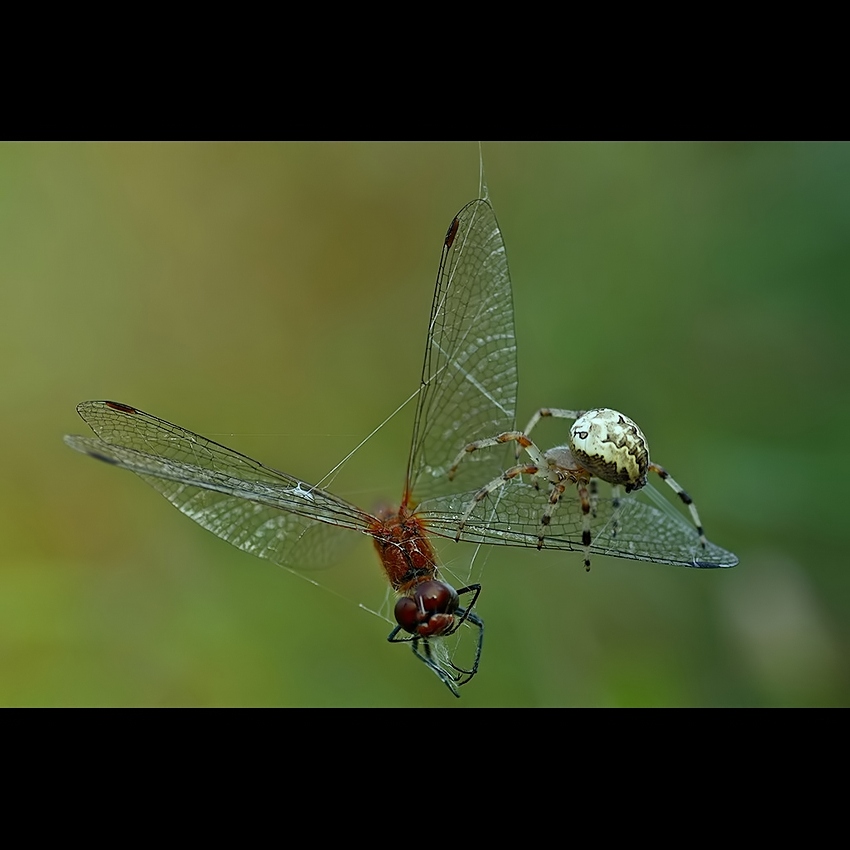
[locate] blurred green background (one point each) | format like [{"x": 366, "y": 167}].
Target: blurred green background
[{"x": 275, "y": 297}]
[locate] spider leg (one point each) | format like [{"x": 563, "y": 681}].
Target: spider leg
[
  {"x": 554, "y": 412},
  {"x": 554, "y": 500},
  {"x": 662, "y": 473},
  {"x": 495, "y": 484},
  {"x": 584, "y": 498},
  {"x": 615, "y": 509},
  {"x": 522, "y": 441},
  {"x": 594, "y": 496}
]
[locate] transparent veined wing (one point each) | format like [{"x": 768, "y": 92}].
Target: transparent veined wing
[
  {"x": 256, "y": 508},
  {"x": 469, "y": 378},
  {"x": 645, "y": 526}
]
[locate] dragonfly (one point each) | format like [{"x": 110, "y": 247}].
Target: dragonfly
[
  {"x": 468, "y": 387},
  {"x": 467, "y": 393}
]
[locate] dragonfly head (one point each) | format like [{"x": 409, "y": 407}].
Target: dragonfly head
[{"x": 429, "y": 611}]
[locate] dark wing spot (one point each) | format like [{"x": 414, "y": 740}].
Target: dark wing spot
[
  {"x": 451, "y": 233},
  {"x": 104, "y": 458},
  {"x": 124, "y": 408}
]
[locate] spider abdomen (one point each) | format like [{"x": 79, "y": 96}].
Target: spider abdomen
[{"x": 610, "y": 446}]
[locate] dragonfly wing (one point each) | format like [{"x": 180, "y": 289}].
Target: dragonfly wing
[
  {"x": 281, "y": 537},
  {"x": 636, "y": 529},
  {"x": 258, "y": 509},
  {"x": 469, "y": 379}
]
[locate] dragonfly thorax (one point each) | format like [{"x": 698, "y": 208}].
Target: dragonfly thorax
[{"x": 406, "y": 554}]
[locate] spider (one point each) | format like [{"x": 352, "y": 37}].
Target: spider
[{"x": 604, "y": 445}]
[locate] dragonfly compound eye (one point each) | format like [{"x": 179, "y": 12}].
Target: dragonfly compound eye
[
  {"x": 430, "y": 611},
  {"x": 611, "y": 447}
]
